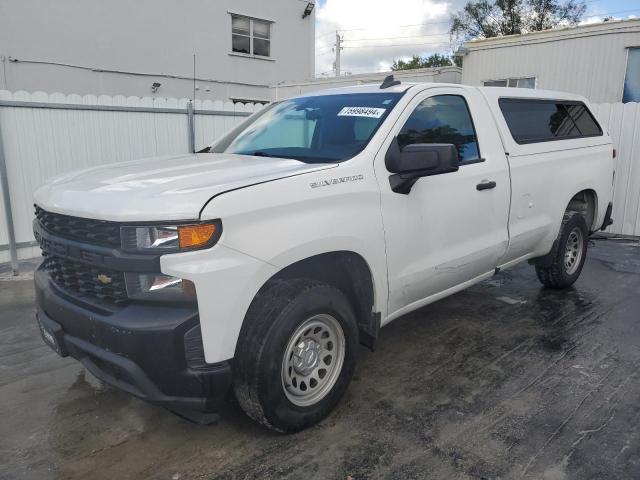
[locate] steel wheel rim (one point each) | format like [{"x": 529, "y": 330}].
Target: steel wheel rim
[
  {"x": 573, "y": 251},
  {"x": 313, "y": 360}
]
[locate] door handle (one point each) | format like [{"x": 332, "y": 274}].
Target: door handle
[{"x": 485, "y": 185}]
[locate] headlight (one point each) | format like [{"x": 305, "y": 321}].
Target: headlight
[
  {"x": 156, "y": 286},
  {"x": 170, "y": 238}
]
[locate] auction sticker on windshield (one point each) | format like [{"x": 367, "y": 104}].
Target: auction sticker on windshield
[{"x": 369, "y": 112}]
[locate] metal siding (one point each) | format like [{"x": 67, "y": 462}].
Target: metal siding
[
  {"x": 623, "y": 123},
  {"x": 42, "y": 142},
  {"x": 593, "y": 66}
]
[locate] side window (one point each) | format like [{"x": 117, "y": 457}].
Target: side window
[
  {"x": 442, "y": 119},
  {"x": 363, "y": 128},
  {"x": 583, "y": 119},
  {"x": 533, "y": 121}
]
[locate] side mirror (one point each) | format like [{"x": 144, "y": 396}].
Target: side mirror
[{"x": 419, "y": 160}]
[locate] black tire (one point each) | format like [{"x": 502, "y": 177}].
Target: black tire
[
  {"x": 273, "y": 317},
  {"x": 559, "y": 274}
]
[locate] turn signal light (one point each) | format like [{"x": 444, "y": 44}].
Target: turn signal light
[{"x": 191, "y": 236}]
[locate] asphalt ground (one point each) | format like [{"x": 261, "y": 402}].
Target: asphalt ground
[{"x": 503, "y": 380}]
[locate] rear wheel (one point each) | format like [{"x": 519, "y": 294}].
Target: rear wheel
[
  {"x": 570, "y": 254},
  {"x": 296, "y": 354}
]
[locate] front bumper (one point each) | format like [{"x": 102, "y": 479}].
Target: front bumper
[{"x": 138, "y": 348}]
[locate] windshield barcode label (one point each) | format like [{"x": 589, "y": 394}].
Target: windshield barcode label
[{"x": 369, "y": 112}]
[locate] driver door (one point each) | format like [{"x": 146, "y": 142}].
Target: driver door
[{"x": 446, "y": 232}]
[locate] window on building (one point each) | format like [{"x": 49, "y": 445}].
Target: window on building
[
  {"x": 442, "y": 119},
  {"x": 533, "y": 120},
  {"x": 631, "y": 91},
  {"x": 526, "y": 82},
  {"x": 250, "y": 36}
]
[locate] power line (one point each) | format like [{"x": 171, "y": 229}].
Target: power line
[
  {"x": 325, "y": 34},
  {"x": 400, "y": 45},
  {"x": 395, "y": 38},
  {"x": 327, "y": 50},
  {"x": 397, "y": 26},
  {"x": 447, "y": 22}
]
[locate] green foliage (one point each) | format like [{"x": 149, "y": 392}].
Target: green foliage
[
  {"x": 434, "y": 60},
  {"x": 486, "y": 19}
]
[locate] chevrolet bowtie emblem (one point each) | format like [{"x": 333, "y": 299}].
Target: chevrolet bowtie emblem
[{"x": 104, "y": 279}]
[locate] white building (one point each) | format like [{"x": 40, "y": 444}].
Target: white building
[
  {"x": 600, "y": 61},
  {"x": 146, "y": 47}
]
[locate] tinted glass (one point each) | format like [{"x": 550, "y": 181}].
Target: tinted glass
[
  {"x": 240, "y": 43},
  {"x": 583, "y": 119},
  {"x": 631, "y": 91},
  {"x": 240, "y": 25},
  {"x": 320, "y": 129},
  {"x": 442, "y": 119},
  {"x": 495, "y": 83},
  {"x": 261, "y": 47},
  {"x": 526, "y": 83},
  {"x": 533, "y": 121},
  {"x": 260, "y": 29}
]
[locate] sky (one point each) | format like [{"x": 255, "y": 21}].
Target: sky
[{"x": 375, "y": 32}]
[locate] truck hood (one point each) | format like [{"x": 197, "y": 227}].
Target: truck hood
[{"x": 160, "y": 188}]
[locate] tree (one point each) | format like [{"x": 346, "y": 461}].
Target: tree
[
  {"x": 550, "y": 13},
  {"x": 487, "y": 18},
  {"x": 434, "y": 60}
]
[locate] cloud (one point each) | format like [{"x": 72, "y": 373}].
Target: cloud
[
  {"x": 376, "y": 32},
  {"x": 598, "y": 18}
]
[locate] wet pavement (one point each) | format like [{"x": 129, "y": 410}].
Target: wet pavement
[{"x": 504, "y": 380}]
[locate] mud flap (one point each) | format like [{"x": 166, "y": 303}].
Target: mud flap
[{"x": 369, "y": 332}]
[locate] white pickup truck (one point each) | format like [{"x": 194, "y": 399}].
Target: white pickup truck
[{"x": 259, "y": 264}]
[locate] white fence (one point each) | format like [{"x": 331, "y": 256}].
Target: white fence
[
  {"x": 623, "y": 123},
  {"x": 44, "y": 135}
]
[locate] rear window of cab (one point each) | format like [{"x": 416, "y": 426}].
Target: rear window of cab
[{"x": 537, "y": 120}]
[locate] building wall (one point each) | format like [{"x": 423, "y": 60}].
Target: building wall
[
  {"x": 588, "y": 60},
  {"x": 441, "y": 75},
  {"x": 149, "y": 41}
]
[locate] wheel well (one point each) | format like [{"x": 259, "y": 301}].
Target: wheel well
[
  {"x": 585, "y": 203},
  {"x": 349, "y": 273}
]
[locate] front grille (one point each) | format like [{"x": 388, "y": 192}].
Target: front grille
[
  {"x": 96, "y": 232},
  {"x": 85, "y": 280}
]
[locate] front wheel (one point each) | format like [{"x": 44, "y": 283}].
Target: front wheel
[
  {"x": 570, "y": 254},
  {"x": 296, "y": 354}
]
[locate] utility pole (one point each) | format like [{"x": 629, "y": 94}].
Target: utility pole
[{"x": 337, "y": 48}]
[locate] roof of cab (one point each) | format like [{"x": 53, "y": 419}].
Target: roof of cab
[
  {"x": 375, "y": 88},
  {"x": 492, "y": 93}
]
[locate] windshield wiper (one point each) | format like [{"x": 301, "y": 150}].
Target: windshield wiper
[{"x": 259, "y": 153}]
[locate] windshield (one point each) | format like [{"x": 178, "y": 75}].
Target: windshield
[{"x": 326, "y": 128}]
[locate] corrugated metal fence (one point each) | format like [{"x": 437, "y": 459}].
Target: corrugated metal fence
[
  {"x": 45, "y": 135},
  {"x": 623, "y": 122}
]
